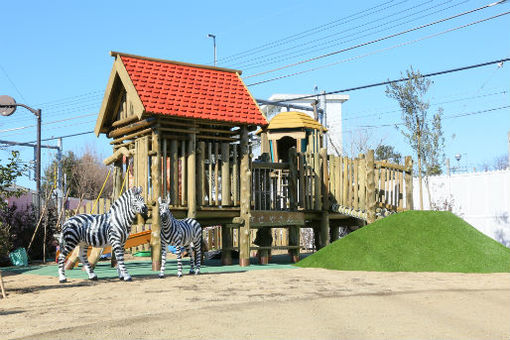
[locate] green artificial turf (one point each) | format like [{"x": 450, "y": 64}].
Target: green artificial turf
[{"x": 414, "y": 241}]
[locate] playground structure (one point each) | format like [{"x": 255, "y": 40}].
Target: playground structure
[{"x": 184, "y": 130}]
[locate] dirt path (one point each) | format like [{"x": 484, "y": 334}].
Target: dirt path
[{"x": 276, "y": 304}]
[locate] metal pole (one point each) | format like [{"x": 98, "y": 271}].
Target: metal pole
[
  {"x": 214, "y": 46},
  {"x": 59, "y": 174},
  {"x": 38, "y": 163}
]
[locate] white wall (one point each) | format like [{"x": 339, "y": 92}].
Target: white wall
[{"x": 480, "y": 198}]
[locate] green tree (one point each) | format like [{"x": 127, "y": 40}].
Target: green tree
[
  {"x": 387, "y": 152},
  {"x": 425, "y": 136},
  {"x": 8, "y": 174}
]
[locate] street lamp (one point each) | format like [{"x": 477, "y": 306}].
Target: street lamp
[
  {"x": 214, "y": 44},
  {"x": 7, "y": 107}
]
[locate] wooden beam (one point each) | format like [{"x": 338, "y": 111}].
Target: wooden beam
[
  {"x": 123, "y": 151},
  {"x": 135, "y": 134},
  {"x": 130, "y": 128}
]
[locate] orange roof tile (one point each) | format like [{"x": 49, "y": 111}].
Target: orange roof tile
[{"x": 191, "y": 91}]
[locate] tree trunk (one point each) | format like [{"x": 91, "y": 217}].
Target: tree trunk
[{"x": 419, "y": 171}]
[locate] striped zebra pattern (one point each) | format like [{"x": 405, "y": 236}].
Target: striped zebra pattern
[
  {"x": 100, "y": 230},
  {"x": 179, "y": 233}
]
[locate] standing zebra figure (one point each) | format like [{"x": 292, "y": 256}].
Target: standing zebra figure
[
  {"x": 179, "y": 233},
  {"x": 99, "y": 230}
]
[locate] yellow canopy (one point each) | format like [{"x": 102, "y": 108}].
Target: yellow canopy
[{"x": 294, "y": 119}]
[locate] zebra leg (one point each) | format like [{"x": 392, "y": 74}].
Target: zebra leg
[
  {"x": 66, "y": 247},
  {"x": 163, "y": 259},
  {"x": 198, "y": 256},
  {"x": 85, "y": 261},
  {"x": 178, "y": 251},
  {"x": 121, "y": 267},
  {"x": 191, "y": 258},
  {"x": 61, "y": 265}
]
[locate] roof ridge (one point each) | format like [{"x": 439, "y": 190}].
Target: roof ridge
[{"x": 222, "y": 69}]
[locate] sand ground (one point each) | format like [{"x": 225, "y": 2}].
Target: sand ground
[{"x": 262, "y": 304}]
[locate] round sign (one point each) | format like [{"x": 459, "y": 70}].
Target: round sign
[{"x": 7, "y": 106}]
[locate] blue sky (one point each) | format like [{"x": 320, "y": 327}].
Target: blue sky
[{"x": 55, "y": 56}]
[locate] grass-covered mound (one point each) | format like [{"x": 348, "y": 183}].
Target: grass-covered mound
[{"x": 432, "y": 241}]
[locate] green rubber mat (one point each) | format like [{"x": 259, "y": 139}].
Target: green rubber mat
[{"x": 144, "y": 268}]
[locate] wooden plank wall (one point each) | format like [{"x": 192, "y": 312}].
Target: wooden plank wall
[{"x": 217, "y": 169}]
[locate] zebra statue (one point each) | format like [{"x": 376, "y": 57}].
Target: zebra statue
[
  {"x": 99, "y": 230},
  {"x": 179, "y": 233}
]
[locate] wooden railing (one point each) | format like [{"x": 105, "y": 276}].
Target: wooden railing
[{"x": 360, "y": 187}]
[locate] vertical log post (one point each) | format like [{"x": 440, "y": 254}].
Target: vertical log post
[
  {"x": 362, "y": 179},
  {"x": 192, "y": 183},
  {"x": 345, "y": 183},
  {"x": 201, "y": 173},
  {"x": 325, "y": 198},
  {"x": 226, "y": 244},
  {"x": 293, "y": 204},
  {"x": 245, "y": 174},
  {"x": 155, "y": 242},
  {"x": 174, "y": 173},
  {"x": 409, "y": 182},
  {"x": 318, "y": 181},
  {"x": 370, "y": 199},
  {"x": 225, "y": 175}
]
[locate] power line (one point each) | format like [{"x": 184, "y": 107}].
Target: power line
[
  {"x": 409, "y": 42},
  {"x": 374, "y": 41},
  {"x": 459, "y": 115},
  {"x": 433, "y": 104},
  {"x": 288, "y": 54},
  {"x": 308, "y": 32},
  {"x": 48, "y": 123},
  {"x": 464, "y": 68}
]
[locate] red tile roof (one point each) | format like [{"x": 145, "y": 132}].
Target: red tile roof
[{"x": 190, "y": 91}]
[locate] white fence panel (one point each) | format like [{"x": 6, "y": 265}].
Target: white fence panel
[{"x": 480, "y": 198}]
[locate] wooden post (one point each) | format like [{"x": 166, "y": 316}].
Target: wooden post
[
  {"x": 370, "y": 199},
  {"x": 345, "y": 183},
  {"x": 318, "y": 181},
  {"x": 155, "y": 242},
  {"x": 216, "y": 177},
  {"x": 183, "y": 181},
  {"x": 356, "y": 184},
  {"x": 2, "y": 285},
  {"x": 362, "y": 179},
  {"x": 245, "y": 174},
  {"x": 192, "y": 183},
  {"x": 225, "y": 175},
  {"x": 235, "y": 177},
  {"x": 174, "y": 173},
  {"x": 226, "y": 244},
  {"x": 409, "y": 182},
  {"x": 338, "y": 182},
  {"x": 293, "y": 203},
  {"x": 301, "y": 161},
  {"x": 201, "y": 173},
  {"x": 325, "y": 198},
  {"x": 165, "y": 170}
]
